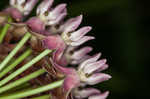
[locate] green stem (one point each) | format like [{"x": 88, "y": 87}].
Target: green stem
[
  {"x": 43, "y": 97},
  {"x": 15, "y": 63},
  {"x": 22, "y": 80},
  {"x": 25, "y": 67},
  {"x": 34, "y": 91},
  {"x": 4, "y": 30},
  {"x": 15, "y": 50}
]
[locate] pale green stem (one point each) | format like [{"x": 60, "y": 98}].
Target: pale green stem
[
  {"x": 34, "y": 91},
  {"x": 22, "y": 80},
  {"x": 25, "y": 67},
  {"x": 42, "y": 97},
  {"x": 15, "y": 63},
  {"x": 14, "y": 51},
  {"x": 4, "y": 30}
]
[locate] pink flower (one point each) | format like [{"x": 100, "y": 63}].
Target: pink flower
[
  {"x": 49, "y": 15},
  {"x": 71, "y": 24},
  {"x": 74, "y": 56},
  {"x": 90, "y": 93},
  {"x": 86, "y": 74},
  {"x": 72, "y": 80},
  {"x": 89, "y": 70},
  {"x": 78, "y": 37},
  {"x": 20, "y": 8}
]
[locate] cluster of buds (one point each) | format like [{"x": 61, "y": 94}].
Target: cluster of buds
[{"x": 50, "y": 30}]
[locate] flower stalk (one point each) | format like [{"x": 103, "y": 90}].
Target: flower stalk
[
  {"x": 15, "y": 63},
  {"x": 22, "y": 80},
  {"x": 5, "y": 29},
  {"x": 25, "y": 67},
  {"x": 15, "y": 50},
  {"x": 34, "y": 91},
  {"x": 43, "y": 97}
]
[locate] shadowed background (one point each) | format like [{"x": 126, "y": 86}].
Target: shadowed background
[{"x": 122, "y": 32}]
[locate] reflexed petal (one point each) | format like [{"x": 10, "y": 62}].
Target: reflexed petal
[
  {"x": 57, "y": 10},
  {"x": 90, "y": 60},
  {"x": 84, "y": 93},
  {"x": 81, "y": 53},
  {"x": 44, "y": 6},
  {"x": 70, "y": 82},
  {"x": 90, "y": 68},
  {"x": 12, "y": 2},
  {"x": 20, "y": 2},
  {"x": 54, "y": 42},
  {"x": 57, "y": 14},
  {"x": 32, "y": 23},
  {"x": 104, "y": 67},
  {"x": 71, "y": 25},
  {"x": 80, "y": 33},
  {"x": 97, "y": 78},
  {"x": 100, "y": 96},
  {"x": 82, "y": 40},
  {"x": 29, "y": 6},
  {"x": 72, "y": 79}
]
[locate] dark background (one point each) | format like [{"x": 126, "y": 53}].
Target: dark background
[{"x": 122, "y": 30}]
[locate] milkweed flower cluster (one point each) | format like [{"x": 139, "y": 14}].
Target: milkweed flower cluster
[{"x": 50, "y": 30}]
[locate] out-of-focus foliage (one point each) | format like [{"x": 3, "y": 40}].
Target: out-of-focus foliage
[{"x": 122, "y": 30}]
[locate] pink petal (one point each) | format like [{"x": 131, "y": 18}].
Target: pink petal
[
  {"x": 19, "y": 2},
  {"x": 82, "y": 52},
  {"x": 90, "y": 68},
  {"x": 84, "y": 93},
  {"x": 54, "y": 42},
  {"x": 90, "y": 60},
  {"x": 82, "y": 40},
  {"x": 29, "y": 6},
  {"x": 71, "y": 25},
  {"x": 12, "y": 2},
  {"x": 100, "y": 96},
  {"x": 36, "y": 24},
  {"x": 44, "y": 6},
  {"x": 59, "y": 9},
  {"x": 72, "y": 79},
  {"x": 104, "y": 67},
  {"x": 57, "y": 14},
  {"x": 15, "y": 13},
  {"x": 70, "y": 82},
  {"x": 80, "y": 33},
  {"x": 97, "y": 78}
]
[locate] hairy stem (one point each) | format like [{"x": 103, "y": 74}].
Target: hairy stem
[
  {"x": 15, "y": 50},
  {"x": 4, "y": 30},
  {"x": 34, "y": 91},
  {"x": 22, "y": 80},
  {"x": 15, "y": 63},
  {"x": 25, "y": 67},
  {"x": 42, "y": 97}
]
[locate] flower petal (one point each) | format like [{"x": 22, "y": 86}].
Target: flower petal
[
  {"x": 80, "y": 33},
  {"x": 29, "y": 6},
  {"x": 71, "y": 25},
  {"x": 12, "y": 2},
  {"x": 57, "y": 14},
  {"x": 100, "y": 96},
  {"x": 84, "y": 93},
  {"x": 90, "y": 68},
  {"x": 90, "y": 60},
  {"x": 54, "y": 42},
  {"x": 44, "y": 6},
  {"x": 82, "y": 40},
  {"x": 81, "y": 52},
  {"x": 97, "y": 78}
]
